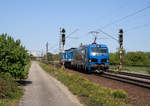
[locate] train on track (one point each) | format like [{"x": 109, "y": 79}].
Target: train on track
[{"x": 88, "y": 58}]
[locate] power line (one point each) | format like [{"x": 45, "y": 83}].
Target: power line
[
  {"x": 69, "y": 36},
  {"x": 125, "y": 17},
  {"x": 72, "y": 33},
  {"x": 108, "y": 34},
  {"x": 137, "y": 27}
]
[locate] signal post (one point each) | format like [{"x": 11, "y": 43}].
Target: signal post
[
  {"x": 121, "y": 48},
  {"x": 63, "y": 38}
]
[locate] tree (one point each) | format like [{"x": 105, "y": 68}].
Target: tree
[
  {"x": 131, "y": 58},
  {"x": 13, "y": 57}
]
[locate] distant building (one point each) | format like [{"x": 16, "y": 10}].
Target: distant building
[{"x": 34, "y": 55}]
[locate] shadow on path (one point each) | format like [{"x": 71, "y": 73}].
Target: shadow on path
[{"x": 24, "y": 82}]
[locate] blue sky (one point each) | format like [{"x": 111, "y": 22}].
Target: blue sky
[{"x": 36, "y": 22}]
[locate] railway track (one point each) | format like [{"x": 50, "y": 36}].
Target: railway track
[
  {"x": 139, "y": 79},
  {"x": 133, "y": 74},
  {"x": 132, "y": 78}
]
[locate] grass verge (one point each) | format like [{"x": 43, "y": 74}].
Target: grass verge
[
  {"x": 10, "y": 90},
  {"x": 89, "y": 93}
]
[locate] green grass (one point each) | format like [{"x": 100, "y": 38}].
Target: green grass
[
  {"x": 10, "y": 90},
  {"x": 133, "y": 68},
  {"x": 88, "y": 92}
]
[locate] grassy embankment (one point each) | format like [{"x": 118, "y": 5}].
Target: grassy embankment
[
  {"x": 89, "y": 93},
  {"x": 10, "y": 90},
  {"x": 133, "y": 69}
]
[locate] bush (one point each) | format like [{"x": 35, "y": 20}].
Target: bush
[{"x": 13, "y": 57}]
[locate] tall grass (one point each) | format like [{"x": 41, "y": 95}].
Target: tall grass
[
  {"x": 9, "y": 90},
  {"x": 89, "y": 93}
]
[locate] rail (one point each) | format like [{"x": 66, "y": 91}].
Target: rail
[
  {"x": 139, "y": 79},
  {"x": 128, "y": 78}
]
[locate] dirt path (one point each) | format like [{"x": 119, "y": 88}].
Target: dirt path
[
  {"x": 138, "y": 96},
  {"x": 44, "y": 90}
]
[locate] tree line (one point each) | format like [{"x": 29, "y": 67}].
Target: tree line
[
  {"x": 137, "y": 58},
  {"x": 51, "y": 57}
]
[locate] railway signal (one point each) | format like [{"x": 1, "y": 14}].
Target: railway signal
[
  {"x": 121, "y": 47},
  {"x": 121, "y": 37},
  {"x": 120, "y": 41},
  {"x": 63, "y": 36},
  {"x": 62, "y": 42}
]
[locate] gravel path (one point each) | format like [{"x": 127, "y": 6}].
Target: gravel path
[
  {"x": 138, "y": 96},
  {"x": 44, "y": 90}
]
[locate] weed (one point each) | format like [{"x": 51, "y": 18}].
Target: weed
[
  {"x": 89, "y": 93},
  {"x": 119, "y": 94}
]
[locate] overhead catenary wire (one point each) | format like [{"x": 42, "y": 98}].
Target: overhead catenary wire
[
  {"x": 137, "y": 27},
  {"x": 125, "y": 17},
  {"x": 134, "y": 28},
  {"x": 108, "y": 34},
  {"x": 72, "y": 33},
  {"x": 69, "y": 36}
]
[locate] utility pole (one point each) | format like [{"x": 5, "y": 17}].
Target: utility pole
[
  {"x": 47, "y": 51},
  {"x": 121, "y": 47},
  {"x": 42, "y": 53}
]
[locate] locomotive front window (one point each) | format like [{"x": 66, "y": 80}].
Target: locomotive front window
[{"x": 97, "y": 50}]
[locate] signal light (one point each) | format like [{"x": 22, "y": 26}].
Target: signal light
[
  {"x": 121, "y": 36},
  {"x": 63, "y": 36},
  {"x": 63, "y": 30},
  {"x": 63, "y": 39}
]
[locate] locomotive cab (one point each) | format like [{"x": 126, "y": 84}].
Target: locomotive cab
[{"x": 98, "y": 57}]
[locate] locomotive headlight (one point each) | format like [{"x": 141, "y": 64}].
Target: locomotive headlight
[{"x": 93, "y": 54}]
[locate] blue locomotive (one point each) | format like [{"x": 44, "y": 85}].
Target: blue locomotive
[{"x": 88, "y": 57}]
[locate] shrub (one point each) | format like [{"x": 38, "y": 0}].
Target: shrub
[
  {"x": 8, "y": 87},
  {"x": 137, "y": 58},
  {"x": 13, "y": 57}
]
